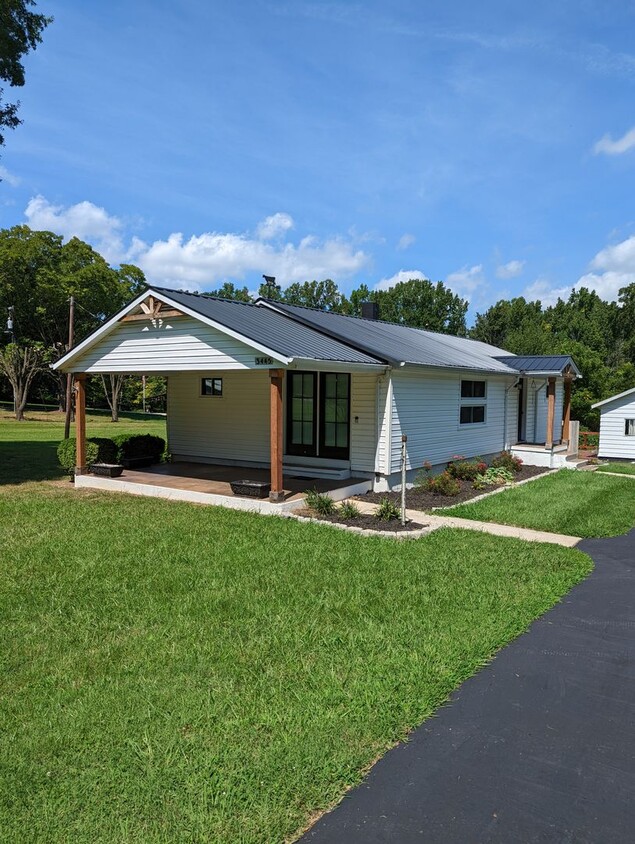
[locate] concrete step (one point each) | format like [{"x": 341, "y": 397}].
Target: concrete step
[{"x": 294, "y": 471}]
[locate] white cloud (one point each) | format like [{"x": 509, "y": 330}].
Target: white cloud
[
  {"x": 542, "y": 290},
  {"x": 8, "y": 177},
  {"x": 274, "y": 226},
  {"x": 405, "y": 241},
  {"x": 84, "y": 220},
  {"x": 201, "y": 261},
  {"x": 204, "y": 260},
  {"x": 511, "y": 269},
  {"x": 608, "y": 146},
  {"x": 402, "y": 275},
  {"x": 466, "y": 280}
]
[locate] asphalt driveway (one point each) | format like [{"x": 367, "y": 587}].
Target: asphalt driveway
[{"x": 537, "y": 747}]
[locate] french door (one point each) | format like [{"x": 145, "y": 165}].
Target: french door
[{"x": 318, "y": 414}]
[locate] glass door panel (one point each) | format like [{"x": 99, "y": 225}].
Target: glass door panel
[{"x": 301, "y": 415}]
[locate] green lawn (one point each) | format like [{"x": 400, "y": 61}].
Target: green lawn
[
  {"x": 28, "y": 449},
  {"x": 618, "y": 468},
  {"x": 570, "y": 502},
  {"x": 177, "y": 673}
]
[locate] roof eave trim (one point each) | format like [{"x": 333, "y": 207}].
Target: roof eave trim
[
  {"x": 617, "y": 396},
  {"x": 107, "y": 326}
]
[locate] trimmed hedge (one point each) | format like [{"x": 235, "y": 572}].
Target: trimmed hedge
[
  {"x": 98, "y": 450},
  {"x": 133, "y": 446},
  {"x": 118, "y": 449}
]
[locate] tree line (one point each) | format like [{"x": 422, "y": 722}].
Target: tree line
[{"x": 39, "y": 273}]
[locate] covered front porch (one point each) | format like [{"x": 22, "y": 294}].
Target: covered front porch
[{"x": 201, "y": 483}]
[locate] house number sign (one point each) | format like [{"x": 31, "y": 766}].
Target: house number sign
[{"x": 263, "y": 361}]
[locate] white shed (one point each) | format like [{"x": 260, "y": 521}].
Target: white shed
[{"x": 617, "y": 426}]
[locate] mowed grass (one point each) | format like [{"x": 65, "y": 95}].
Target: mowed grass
[
  {"x": 28, "y": 450},
  {"x": 570, "y": 502},
  {"x": 618, "y": 468},
  {"x": 176, "y": 673}
]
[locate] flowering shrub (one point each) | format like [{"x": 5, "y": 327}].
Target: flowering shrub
[
  {"x": 466, "y": 470},
  {"x": 443, "y": 484},
  {"x": 506, "y": 460}
]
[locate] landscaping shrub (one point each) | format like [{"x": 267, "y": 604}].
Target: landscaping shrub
[
  {"x": 348, "y": 510},
  {"x": 135, "y": 446},
  {"x": 443, "y": 484},
  {"x": 506, "y": 460},
  {"x": 320, "y": 502},
  {"x": 387, "y": 510},
  {"x": 98, "y": 450},
  {"x": 466, "y": 470},
  {"x": 494, "y": 476}
]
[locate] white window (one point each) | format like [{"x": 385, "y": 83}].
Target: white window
[
  {"x": 629, "y": 428},
  {"x": 473, "y": 402}
]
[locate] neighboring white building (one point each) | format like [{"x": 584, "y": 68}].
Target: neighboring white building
[
  {"x": 308, "y": 393},
  {"x": 617, "y": 426}
]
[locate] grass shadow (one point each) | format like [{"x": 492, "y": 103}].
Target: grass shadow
[{"x": 22, "y": 461}]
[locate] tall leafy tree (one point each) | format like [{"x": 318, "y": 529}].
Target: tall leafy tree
[
  {"x": 421, "y": 303},
  {"x": 20, "y": 31},
  {"x": 229, "y": 291},
  {"x": 323, "y": 295}
]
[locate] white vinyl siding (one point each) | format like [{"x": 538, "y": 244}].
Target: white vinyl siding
[
  {"x": 235, "y": 426},
  {"x": 426, "y": 407},
  {"x": 179, "y": 344},
  {"x": 536, "y": 412},
  {"x": 363, "y": 422},
  {"x": 613, "y": 439}
]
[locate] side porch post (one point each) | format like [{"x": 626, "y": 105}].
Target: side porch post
[
  {"x": 566, "y": 412},
  {"x": 551, "y": 411},
  {"x": 80, "y": 423},
  {"x": 276, "y": 377}
]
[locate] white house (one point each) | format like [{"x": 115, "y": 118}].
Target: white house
[
  {"x": 304, "y": 394},
  {"x": 617, "y": 426}
]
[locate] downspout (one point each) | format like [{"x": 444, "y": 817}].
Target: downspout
[{"x": 506, "y": 444}]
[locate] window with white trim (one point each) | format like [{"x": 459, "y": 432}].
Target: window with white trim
[
  {"x": 211, "y": 386},
  {"x": 473, "y": 402},
  {"x": 629, "y": 428}
]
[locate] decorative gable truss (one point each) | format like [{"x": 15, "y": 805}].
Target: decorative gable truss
[{"x": 152, "y": 309}]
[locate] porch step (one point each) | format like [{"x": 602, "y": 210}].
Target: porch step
[{"x": 294, "y": 471}]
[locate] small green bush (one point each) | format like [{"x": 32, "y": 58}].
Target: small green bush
[
  {"x": 320, "y": 502},
  {"x": 493, "y": 477},
  {"x": 98, "y": 450},
  {"x": 506, "y": 460},
  {"x": 134, "y": 446},
  {"x": 387, "y": 510},
  {"x": 466, "y": 470},
  {"x": 443, "y": 484},
  {"x": 348, "y": 510}
]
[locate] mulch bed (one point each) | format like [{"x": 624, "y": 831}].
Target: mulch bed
[
  {"x": 365, "y": 521},
  {"x": 421, "y": 499}
]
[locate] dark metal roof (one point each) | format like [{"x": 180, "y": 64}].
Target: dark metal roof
[
  {"x": 546, "y": 364},
  {"x": 399, "y": 344},
  {"x": 272, "y": 330}
]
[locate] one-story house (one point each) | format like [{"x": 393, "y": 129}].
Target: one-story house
[
  {"x": 617, "y": 426},
  {"x": 312, "y": 394}
]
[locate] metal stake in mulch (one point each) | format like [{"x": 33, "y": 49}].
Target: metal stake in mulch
[{"x": 404, "y": 440}]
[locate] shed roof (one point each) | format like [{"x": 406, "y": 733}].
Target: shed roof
[
  {"x": 398, "y": 344},
  {"x": 630, "y": 392},
  {"x": 541, "y": 364}
]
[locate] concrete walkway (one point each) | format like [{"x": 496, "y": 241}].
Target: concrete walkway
[
  {"x": 537, "y": 747},
  {"x": 435, "y": 522}
]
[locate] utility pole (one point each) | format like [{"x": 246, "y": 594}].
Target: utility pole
[{"x": 69, "y": 376}]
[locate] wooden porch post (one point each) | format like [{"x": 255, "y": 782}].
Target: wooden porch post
[
  {"x": 566, "y": 411},
  {"x": 80, "y": 423},
  {"x": 551, "y": 411},
  {"x": 276, "y": 446}
]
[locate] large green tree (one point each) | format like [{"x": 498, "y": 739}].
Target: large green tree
[
  {"x": 20, "y": 31},
  {"x": 421, "y": 303}
]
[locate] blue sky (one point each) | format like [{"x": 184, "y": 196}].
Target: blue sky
[{"x": 490, "y": 145}]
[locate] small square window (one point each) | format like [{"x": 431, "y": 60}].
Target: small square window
[
  {"x": 472, "y": 389},
  {"x": 211, "y": 386},
  {"x": 472, "y": 414},
  {"x": 629, "y": 427}
]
